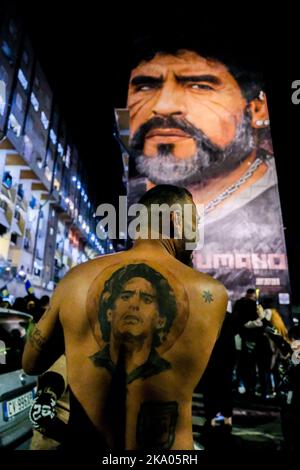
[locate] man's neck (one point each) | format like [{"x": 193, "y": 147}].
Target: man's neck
[{"x": 160, "y": 245}]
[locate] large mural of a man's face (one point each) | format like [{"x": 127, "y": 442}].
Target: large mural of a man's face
[
  {"x": 189, "y": 119},
  {"x": 198, "y": 118}
]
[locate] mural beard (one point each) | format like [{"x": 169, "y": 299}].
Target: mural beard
[{"x": 210, "y": 160}]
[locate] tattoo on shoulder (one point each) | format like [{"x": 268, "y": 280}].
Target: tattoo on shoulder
[
  {"x": 156, "y": 425},
  {"x": 207, "y": 296},
  {"x": 37, "y": 340}
]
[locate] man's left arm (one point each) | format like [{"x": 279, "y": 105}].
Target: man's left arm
[{"x": 45, "y": 343}]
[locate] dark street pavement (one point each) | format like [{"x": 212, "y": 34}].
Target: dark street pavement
[{"x": 256, "y": 426}]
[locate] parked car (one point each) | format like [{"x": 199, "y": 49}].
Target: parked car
[{"x": 17, "y": 389}]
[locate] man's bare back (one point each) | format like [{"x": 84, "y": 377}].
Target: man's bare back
[
  {"x": 162, "y": 369},
  {"x": 137, "y": 329}
]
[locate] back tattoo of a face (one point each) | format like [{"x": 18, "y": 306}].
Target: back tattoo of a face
[{"x": 137, "y": 311}]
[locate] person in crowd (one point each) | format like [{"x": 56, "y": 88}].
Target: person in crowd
[
  {"x": 278, "y": 336},
  {"x": 19, "y": 304},
  {"x": 216, "y": 385},
  {"x": 290, "y": 388},
  {"x": 249, "y": 321},
  {"x": 5, "y": 304}
]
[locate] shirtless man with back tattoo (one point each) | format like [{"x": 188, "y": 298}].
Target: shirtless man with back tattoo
[{"x": 137, "y": 328}]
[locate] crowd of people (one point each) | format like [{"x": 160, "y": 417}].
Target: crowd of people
[
  {"x": 255, "y": 358},
  {"x": 14, "y": 339},
  {"x": 260, "y": 360},
  {"x": 28, "y": 304}
]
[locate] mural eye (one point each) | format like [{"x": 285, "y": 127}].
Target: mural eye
[
  {"x": 125, "y": 296},
  {"x": 200, "y": 86},
  {"x": 144, "y": 88},
  {"x": 147, "y": 300}
]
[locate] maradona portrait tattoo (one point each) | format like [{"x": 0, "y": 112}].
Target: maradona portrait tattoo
[
  {"x": 156, "y": 425},
  {"x": 137, "y": 309}
]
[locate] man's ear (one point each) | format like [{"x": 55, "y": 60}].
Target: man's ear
[
  {"x": 108, "y": 315},
  {"x": 161, "y": 322},
  {"x": 259, "y": 112},
  {"x": 176, "y": 225}
]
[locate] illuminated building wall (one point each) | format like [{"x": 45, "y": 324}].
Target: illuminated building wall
[{"x": 46, "y": 214}]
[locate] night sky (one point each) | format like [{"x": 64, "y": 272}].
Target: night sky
[{"x": 85, "y": 54}]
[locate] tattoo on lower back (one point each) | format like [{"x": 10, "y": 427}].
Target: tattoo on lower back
[
  {"x": 37, "y": 340},
  {"x": 156, "y": 425},
  {"x": 207, "y": 296}
]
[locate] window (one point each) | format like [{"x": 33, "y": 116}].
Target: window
[
  {"x": 60, "y": 149},
  {"x": 14, "y": 238},
  {"x": 32, "y": 202},
  {"x": 14, "y": 125},
  {"x": 7, "y": 180},
  {"x": 48, "y": 173},
  {"x": 20, "y": 191},
  {"x": 22, "y": 79},
  {"x": 27, "y": 239},
  {"x": 29, "y": 124},
  {"x": 19, "y": 102},
  {"x": 49, "y": 155},
  {"x": 3, "y": 230},
  {"x": 34, "y": 102},
  {"x": 17, "y": 215},
  {"x": 3, "y": 205},
  {"x": 2, "y": 92},
  {"x": 53, "y": 137},
  {"x": 7, "y": 51},
  {"x": 44, "y": 120},
  {"x": 68, "y": 157}
]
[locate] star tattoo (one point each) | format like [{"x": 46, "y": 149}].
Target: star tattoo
[{"x": 207, "y": 296}]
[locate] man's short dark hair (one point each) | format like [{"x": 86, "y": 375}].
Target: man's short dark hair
[
  {"x": 170, "y": 195},
  {"x": 44, "y": 300},
  {"x": 250, "y": 291},
  {"x": 113, "y": 287},
  {"x": 166, "y": 194}
]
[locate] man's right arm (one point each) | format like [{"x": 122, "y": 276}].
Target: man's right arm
[{"x": 45, "y": 343}]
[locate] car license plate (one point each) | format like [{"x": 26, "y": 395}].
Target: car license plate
[{"x": 15, "y": 406}]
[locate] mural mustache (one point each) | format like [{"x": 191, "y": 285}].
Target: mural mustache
[{"x": 209, "y": 161}]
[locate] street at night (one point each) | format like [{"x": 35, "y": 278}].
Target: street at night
[{"x": 149, "y": 240}]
